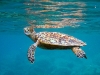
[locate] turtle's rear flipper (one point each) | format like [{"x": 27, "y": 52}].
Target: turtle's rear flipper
[
  {"x": 79, "y": 52},
  {"x": 31, "y": 52}
]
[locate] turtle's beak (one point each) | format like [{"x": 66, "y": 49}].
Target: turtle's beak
[{"x": 25, "y": 30}]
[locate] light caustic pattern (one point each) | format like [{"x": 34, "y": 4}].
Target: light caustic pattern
[{"x": 52, "y": 14}]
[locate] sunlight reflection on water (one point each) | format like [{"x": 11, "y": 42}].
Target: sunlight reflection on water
[{"x": 85, "y": 15}]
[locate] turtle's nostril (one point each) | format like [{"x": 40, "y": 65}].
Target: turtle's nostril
[{"x": 24, "y": 30}]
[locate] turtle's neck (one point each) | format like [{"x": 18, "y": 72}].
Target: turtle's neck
[{"x": 32, "y": 36}]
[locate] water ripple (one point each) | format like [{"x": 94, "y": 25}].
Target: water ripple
[{"x": 17, "y": 14}]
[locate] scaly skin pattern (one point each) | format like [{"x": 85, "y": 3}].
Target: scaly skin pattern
[{"x": 55, "y": 38}]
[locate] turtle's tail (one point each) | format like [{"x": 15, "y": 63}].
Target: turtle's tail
[{"x": 79, "y": 52}]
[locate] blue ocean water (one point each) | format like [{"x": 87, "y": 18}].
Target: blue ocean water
[{"x": 14, "y": 44}]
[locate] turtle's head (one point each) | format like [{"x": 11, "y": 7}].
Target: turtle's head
[{"x": 28, "y": 30}]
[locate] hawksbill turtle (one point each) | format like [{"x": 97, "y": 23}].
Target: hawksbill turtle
[{"x": 53, "y": 40}]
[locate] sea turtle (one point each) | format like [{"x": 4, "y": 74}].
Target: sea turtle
[{"x": 53, "y": 40}]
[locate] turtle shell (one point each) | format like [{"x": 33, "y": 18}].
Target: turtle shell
[{"x": 55, "y": 38}]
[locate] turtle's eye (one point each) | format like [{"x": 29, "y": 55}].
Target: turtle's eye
[{"x": 27, "y": 31}]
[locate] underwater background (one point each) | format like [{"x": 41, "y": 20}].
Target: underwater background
[{"x": 83, "y": 22}]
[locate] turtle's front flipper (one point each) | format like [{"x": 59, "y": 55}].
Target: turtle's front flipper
[
  {"x": 31, "y": 52},
  {"x": 79, "y": 52}
]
